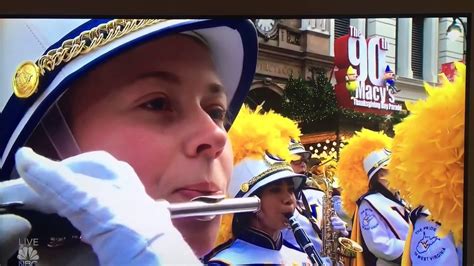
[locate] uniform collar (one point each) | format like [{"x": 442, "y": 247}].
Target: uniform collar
[{"x": 260, "y": 238}]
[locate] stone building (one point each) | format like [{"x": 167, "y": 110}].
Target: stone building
[{"x": 418, "y": 48}]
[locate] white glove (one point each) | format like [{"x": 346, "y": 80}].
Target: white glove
[
  {"x": 337, "y": 203},
  {"x": 339, "y": 225},
  {"x": 104, "y": 199},
  {"x": 18, "y": 191},
  {"x": 12, "y": 229}
]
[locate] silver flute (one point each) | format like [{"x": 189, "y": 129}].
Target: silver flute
[
  {"x": 203, "y": 207},
  {"x": 210, "y": 206}
]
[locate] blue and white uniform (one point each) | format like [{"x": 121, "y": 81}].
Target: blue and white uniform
[
  {"x": 254, "y": 246},
  {"x": 34, "y": 59},
  {"x": 315, "y": 202},
  {"x": 384, "y": 227},
  {"x": 428, "y": 249},
  {"x": 250, "y": 245}
]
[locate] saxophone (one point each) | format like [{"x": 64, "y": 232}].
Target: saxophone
[{"x": 334, "y": 246}]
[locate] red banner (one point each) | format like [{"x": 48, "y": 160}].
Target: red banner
[
  {"x": 369, "y": 92},
  {"x": 449, "y": 70}
]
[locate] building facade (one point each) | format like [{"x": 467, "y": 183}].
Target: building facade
[{"x": 418, "y": 49}]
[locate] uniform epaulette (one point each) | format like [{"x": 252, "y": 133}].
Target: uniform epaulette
[
  {"x": 416, "y": 213},
  {"x": 363, "y": 196}
]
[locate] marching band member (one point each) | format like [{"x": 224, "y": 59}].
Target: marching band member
[
  {"x": 261, "y": 169},
  {"x": 311, "y": 201},
  {"x": 380, "y": 217},
  {"x": 300, "y": 164},
  {"x": 434, "y": 180},
  {"x": 113, "y": 109}
]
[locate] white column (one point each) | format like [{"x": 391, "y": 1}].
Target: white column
[
  {"x": 386, "y": 28},
  {"x": 430, "y": 49},
  {"x": 404, "y": 48},
  {"x": 331, "y": 37},
  {"x": 359, "y": 23},
  {"x": 307, "y": 23}
]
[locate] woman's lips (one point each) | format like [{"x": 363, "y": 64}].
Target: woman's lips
[
  {"x": 189, "y": 194},
  {"x": 196, "y": 190}
]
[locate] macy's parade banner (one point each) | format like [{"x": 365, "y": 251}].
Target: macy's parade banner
[{"x": 365, "y": 82}]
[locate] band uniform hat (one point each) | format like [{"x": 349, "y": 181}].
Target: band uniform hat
[
  {"x": 40, "y": 58},
  {"x": 251, "y": 174},
  {"x": 297, "y": 148},
  {"x": 375, "y": 161}
]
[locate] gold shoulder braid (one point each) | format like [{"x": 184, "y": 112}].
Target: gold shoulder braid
[{"x": 27, "y": 76}]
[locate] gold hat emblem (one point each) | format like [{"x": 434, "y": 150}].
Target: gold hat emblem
[
  {"x": 27, "y": 75},
  {"x": 26, "y": 79},
  {"x": 244, "y": 187}
]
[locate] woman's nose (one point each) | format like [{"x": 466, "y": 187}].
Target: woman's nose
[
  {"x": 289, "y": 198},
  {"x": 205, "y": 136}
]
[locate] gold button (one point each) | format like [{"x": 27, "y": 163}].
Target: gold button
[
  {"x": 25, "y": 82},
  {"x": 244, "y": 187}
]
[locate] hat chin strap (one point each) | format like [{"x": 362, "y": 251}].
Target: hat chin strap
[{"x": 59, "y": 134}]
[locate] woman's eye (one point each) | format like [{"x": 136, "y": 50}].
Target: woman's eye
[
  {"x": 275, "y": 189},
  {"x": 218, "y": 114},
  {"x": 158, "y": 104}
]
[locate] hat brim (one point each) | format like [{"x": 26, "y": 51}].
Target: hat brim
[
  {"x": 298, "y": 181},
  {"x": 306, "y": 155},
  {"x": 220, "y": 35},
  {"x": 382, "y": 166}
]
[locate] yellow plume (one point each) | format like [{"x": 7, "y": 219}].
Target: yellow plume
[
  {"x": 427, "y": 163},
  {"x": 225, "y": 229},
  {"x": 253, "y": 133},
  {"x": 350, "y": 169}
]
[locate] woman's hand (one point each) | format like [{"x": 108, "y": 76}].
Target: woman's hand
[
  {"x": 104, "y": 199},
  {"x": 339, "y": 225},
  {"x": 17, "y": 192}
]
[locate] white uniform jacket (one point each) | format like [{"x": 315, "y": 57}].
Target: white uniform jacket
[
  {"x": 384, "y": 227},
  {"x": 427, "y": 249},
  {"x": 315, "y": 202},
  {"x": 256, "y": 247}
]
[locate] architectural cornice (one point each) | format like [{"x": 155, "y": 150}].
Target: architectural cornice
[
  {"x": 266, "y": 50},
  {"x": 410, "y": 89}
]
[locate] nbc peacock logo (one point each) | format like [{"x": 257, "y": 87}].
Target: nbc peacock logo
[{"x": 27, "y": 256}]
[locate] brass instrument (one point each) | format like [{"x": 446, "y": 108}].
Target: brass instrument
[{"x": 334, "y": 246}]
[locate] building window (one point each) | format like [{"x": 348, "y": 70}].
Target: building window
[
  {"x": 417, "y": 47},
  {"x": 318, "y": 25},
  {"x": 341, "y": 27}
]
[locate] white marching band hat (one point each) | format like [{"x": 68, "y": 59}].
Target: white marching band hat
[
  {"x": 375, "y": 161},
  {"x": 297, "y": 148},
  {"x": 251, "y": 174},
  {"x": 40, "y": 58}
]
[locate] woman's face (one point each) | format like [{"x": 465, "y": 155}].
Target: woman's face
[
  {"x": 161, "y": 108},
  {"x": 277, "y": 200},
  {"x": 382, "y": 177},
  {"x": 299, "y": 166}
]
